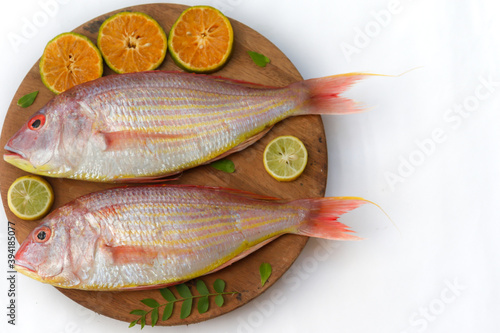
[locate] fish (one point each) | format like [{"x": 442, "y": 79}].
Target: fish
[
  {"x": 153, "y": 236},
  {"x": 151, "y": 125}
]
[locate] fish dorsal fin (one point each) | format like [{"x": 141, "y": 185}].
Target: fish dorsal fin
[{"x": 230, "y": 191}]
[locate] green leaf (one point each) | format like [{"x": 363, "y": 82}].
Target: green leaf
[
  {"x": 27, "y": 99},
  {"x": 167, "y": 294},
  {"x": 203, "y": 304},
  {"x": 186, "y": 308},
  {"x": 219, "y": 285},
  {"x": 138, "y": 312},
  {"x": 183, "y": 290},
  {"x": 143, "y": 322},
  {"x": 167, "y": 312},
  {"x": 265, "y": 270},
  {"x": 150, "y": 302},
  {"x": 223, "y": 165},
  {"x": 202, "y": 287},
  {"x": 132, "y": 324},
  {"x": 219, "y": 300},
  {"x": 259, "y": 59},
  {"x": 154, "y": 317}
]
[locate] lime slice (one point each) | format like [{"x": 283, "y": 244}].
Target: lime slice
[
  {"x": 68, "y": 60},
  {"x": 201, "y": 40},
  {"x": 285, "y": 158},
  {"x": 132, "y": 42},
  {"x": 30, "y": 197}
]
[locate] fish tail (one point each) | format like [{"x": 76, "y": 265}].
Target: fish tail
[
  {"x": 324, "y": 94},
  {"x": 322, "y": 220}
]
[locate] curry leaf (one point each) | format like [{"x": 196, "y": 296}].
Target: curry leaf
[
  {"x": 259, "y": 59},
  {"x": 219, "y": 300},
  {"x": 219, "y": 285},
  {"x": 186, "y": 299},
  {"x": 265, "y": 270},
  {"x": 138, "y": 312},
  {"x": 186, "y": 307},
  {"x": 203, "y": 304},
  {"x": 167, "y": 295},
  {"x": 150, "y": 302},
  {"x": 27, "y": 99},
  {"x": 202, "y": 287},
  {"x": 154, "y": 317},
  {"x": 223, "y": 165},
  {"x": 167, "y": 312},
  {"x": 183, "y": 290}
]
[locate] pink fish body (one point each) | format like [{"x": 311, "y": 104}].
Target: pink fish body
[
  {"x": 154, "y": 236},
  {"x": 148, "y": 125}
]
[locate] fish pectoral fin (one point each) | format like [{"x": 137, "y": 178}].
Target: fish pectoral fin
[
  {"x": 128, "y": 254},
  {"x": 122, "y": 140}
]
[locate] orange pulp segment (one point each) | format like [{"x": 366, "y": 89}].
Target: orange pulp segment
[
  {"x": 132, "y": 42},
  {"x": 201, "y": 40},
  {"x": 68, "y": 60}
]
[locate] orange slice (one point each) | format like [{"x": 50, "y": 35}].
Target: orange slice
[
  {"x": 132, "y": 42},
  {"x": 201, "y": 40},
  {"x": 68, "y": 60}
]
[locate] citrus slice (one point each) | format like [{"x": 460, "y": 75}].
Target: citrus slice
[
  {"x": 30, "y": 197},
  {"x": 132, "y": 42},
  {"x": 201, "y": 40},
  {"x": 285, "y": 158},
  {"x": 68, "y": 60}
]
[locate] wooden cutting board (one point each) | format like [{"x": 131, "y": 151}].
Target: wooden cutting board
[{"x": 250, "y": 174}]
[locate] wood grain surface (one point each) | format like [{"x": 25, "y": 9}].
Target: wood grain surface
[{"x": 250, "y": 174}]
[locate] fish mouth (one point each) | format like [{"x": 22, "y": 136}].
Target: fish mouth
[
  {"x": 24, "y": 267},
  {"x": 18, "y": 159},
  {"x": 13, "y": 154},
  {"x": 28, "y": 270}
]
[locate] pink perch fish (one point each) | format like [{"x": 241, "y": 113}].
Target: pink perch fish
[
  {"x": 155, "y": 236},
  {"x": 148, "y": 125}
]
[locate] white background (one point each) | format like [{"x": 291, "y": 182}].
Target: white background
[{"x": 427, "y": 152}]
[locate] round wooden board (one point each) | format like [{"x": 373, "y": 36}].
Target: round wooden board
[{"x": 250, "y": 175}]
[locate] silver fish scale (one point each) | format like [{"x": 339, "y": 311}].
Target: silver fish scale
[
  {"x": 171, "y": 234},
  {"x": 160, "y": 124}
]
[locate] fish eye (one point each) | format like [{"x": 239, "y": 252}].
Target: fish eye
[
  {"x": 42, "y": 235},
  {"x": 36, "y": 122}
]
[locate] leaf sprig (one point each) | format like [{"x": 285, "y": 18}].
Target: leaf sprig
[
  {"x": 27, "y": 99},
  {"x": 259, "y": 59},
  {"x": 223, "y": 165},
  {"x": 186, "y": 297},
  {"x": 265, "y": 271}
]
